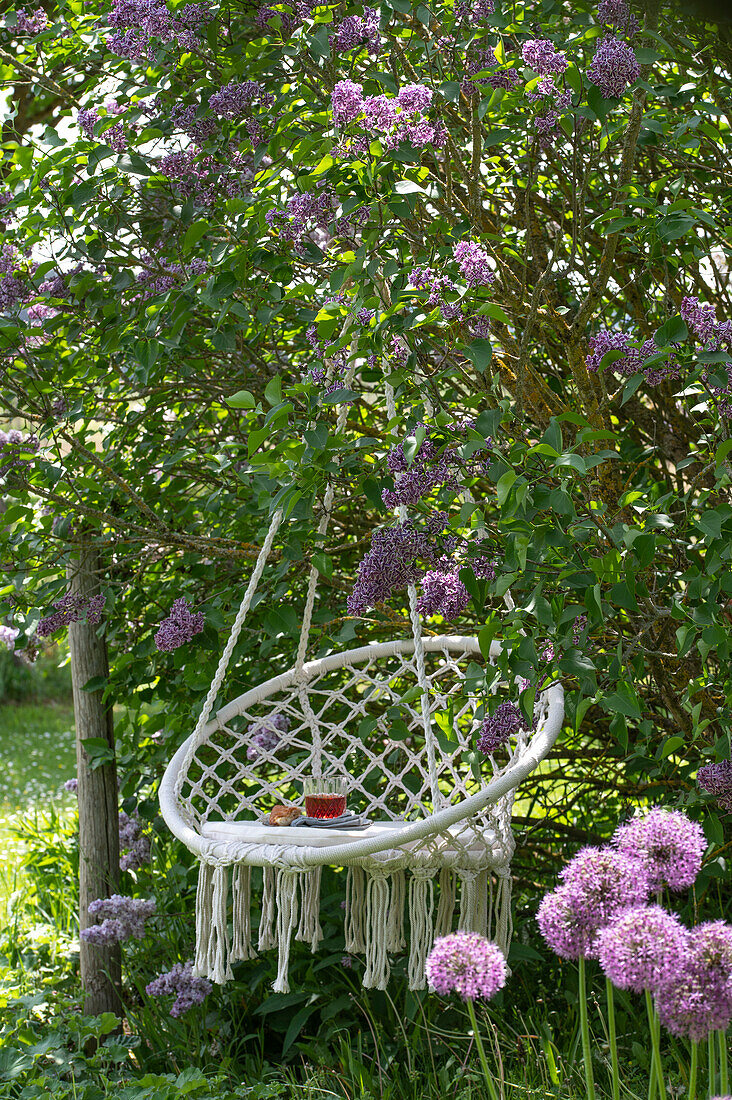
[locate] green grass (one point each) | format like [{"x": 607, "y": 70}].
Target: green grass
[{"x": 37, "y": 754}]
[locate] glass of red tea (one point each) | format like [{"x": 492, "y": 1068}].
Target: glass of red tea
[{"x": 325, "y": 796}]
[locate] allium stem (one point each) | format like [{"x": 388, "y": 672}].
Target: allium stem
[
  {"x": 723, "y": 1065},
  {"x": 711, "y": 1062},
  {"x": 693, "y": 1069},
  {"x": 481, "y": 1051},
  {"x": 585, "y": 1029},
  {"x": 656, "y": 1043},
  {"x": 612, "y": 1037}
]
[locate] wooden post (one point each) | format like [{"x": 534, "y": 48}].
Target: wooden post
[{"x": 97, "y": 792}]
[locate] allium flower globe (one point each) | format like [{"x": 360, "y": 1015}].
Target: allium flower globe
[
  {"x": 562, "y": 925},
  {"x": 641, "y": 948},
  {"x": 666, "y": 844},
  {"x": 466, "y": 963}
]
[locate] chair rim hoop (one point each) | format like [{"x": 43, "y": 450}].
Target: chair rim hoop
[{"x": 225, "y": 852}]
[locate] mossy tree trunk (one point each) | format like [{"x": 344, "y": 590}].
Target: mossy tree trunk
[{"x": 97, "y": 792}]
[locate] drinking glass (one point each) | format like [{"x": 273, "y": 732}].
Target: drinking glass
[{"x": 325, "y": 796}]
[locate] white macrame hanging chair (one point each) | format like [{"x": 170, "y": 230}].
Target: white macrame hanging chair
[{"x": 439, "y": 849}]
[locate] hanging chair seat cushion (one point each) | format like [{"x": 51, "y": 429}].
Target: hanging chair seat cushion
[{"x": 254, "y": 832}]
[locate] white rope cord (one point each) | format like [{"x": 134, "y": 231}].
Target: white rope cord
[
  {"x": 200, "y": 730},
  {"x": 418, "y": 650}
]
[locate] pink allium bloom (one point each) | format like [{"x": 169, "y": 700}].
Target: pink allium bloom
[
  {"x": 604, "y": 882},
  {"x": 466, "y": 963},
  {"x": 697, "y": 998},
  {"x": 562, "y": 926},
  {"x": 642, "y": 947},
  {"x": 667, "y": 844}
]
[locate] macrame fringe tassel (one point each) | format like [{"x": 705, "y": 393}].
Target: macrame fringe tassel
[
  {"x": 421, "y": 905},
  {"x": 286, "y": 921},
  {"x": 204, "y": 906},
  {"x": 376, "y": 974},
  {"x": 504, "y": 921},
  {"x": 267, "y": 937},
  {"x": 355, "y": 910},
  {"x": 395, "y": 940},
  {"x": 446, "y": 904},
  {"x": 309, "y": 930},
  {"x": 219, "y": 969},
  {"x": 468, "y": 900},
  {"x": 481, "y": 903},
  {"x": 241, "y": 889}
]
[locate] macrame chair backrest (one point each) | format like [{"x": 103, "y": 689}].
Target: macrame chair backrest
[{"x": 352, "y": 695}]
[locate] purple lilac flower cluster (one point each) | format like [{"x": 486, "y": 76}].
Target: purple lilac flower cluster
[
  {"x": 392, "y": 121},
  {"x": 265, "y": 736},
  {"x": 8, "y": 634},
  {"x": 716, "y": 779},
  {"x": 478, "y": 60},
  {"x": 632, "y": 357},
  {"x": 72, "y": 608},
  {"x": 13, "y": 290},
  {"x": 470, "y": 12},
  {"x": 541, "y": 55},
  {"x": 115, "y": 137},
  {"x": 180, "y": 626},
  {"x": 71, "y": 785},
  {"x": 443, "y": 593},
  {"x": 617, "y": 14},
  {"x": 304, "y": 213},
  {"x": 186, "y": 119},
  {"x": 134, "y": 845},
  {"x": 12, "y": 444},
  {"x": 123, "y": 918},
  {"x": 466, "y": 963},
  {"x": 614, "y": 67},
  {"x": 137, "y": 23},
  {"x": 301, "y": 10},
  {"x": 543, "y": 58},
  {"x": 473, "y": 263},
  {"x": 394, "y": 561},
  {"x": 159, "y": 281},
  {"x": 180, "y": 981},
  {"x": 235, "y": 99},
  {"x": 355, "y": 31},
  {"x": 701, "y": 320},
  {"x": 198, "y": 175},
  {"x": 496, "y": 729},
  {"x": 31, "y": 22}
]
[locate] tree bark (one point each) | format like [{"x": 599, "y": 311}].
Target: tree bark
[{"x": 97, "y": 792}]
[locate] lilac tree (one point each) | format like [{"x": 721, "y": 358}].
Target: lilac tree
[{"x": 221, "y": 223}]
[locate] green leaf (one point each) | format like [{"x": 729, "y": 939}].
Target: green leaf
[
  {"x": 503, "y": 488},
  {"x": 670, "y": 745},
  {"x": 273, "y": 391},
  {"x": 98, "y": 751},
  {"x": 194, "y": 233},
  {"x": 96, "y": 683},
  {"x": 323, "y": 563},
  {"x": 480, "y": 353},
  {"x": 242, "y": 400},
  {"x": 673, "y": 331}
]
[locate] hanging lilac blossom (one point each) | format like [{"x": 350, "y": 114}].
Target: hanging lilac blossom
[
  {"x": 543, "y": 57},
  {"x": 304, "y": 213},
  {"x": 180, "y": 626},
  {"x": 138, "y": 23},
  {"x": 347, "y": 101},
  {"x": 72, "y": 608},
  {"x": 71, "y": 785},
  {"x": 188, "y": 120},
  {"x": 466, "y": 963},
  {"x": 443, "y": 593},
  {"x": 606, "y": 341},
  {"x": 31, "y": 22},
  {"x": 579, "y": 626},
  {"x": 470, "y": 12},
  {"x": 134, "y": 845},
  {"x": 641, "y": 948},
  {"x": 614, "y": 67},
  {"x": 13, "y": 290},
  {"x": 235, "y": 99},
  {"x": 392, "y": 121},
  {"x": 391, "y": 564},
  {"x": 163, "y": 275},
  {"x": 666, "y": 844},
  {"x": 265, "y": 736},
  {"x": 497, "y": 728},
  {"x": 188, "y": 990},
  {"x": 617, "y": 14},
  {"x": 123, "y": 918},
  {"x": 473, "y": 264},
  {"x": 700, "y": 318},
  {"x": 8, "y": 634},
  {"x": 716, "y": 779},
  {"x": 355, "y": 31}
]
